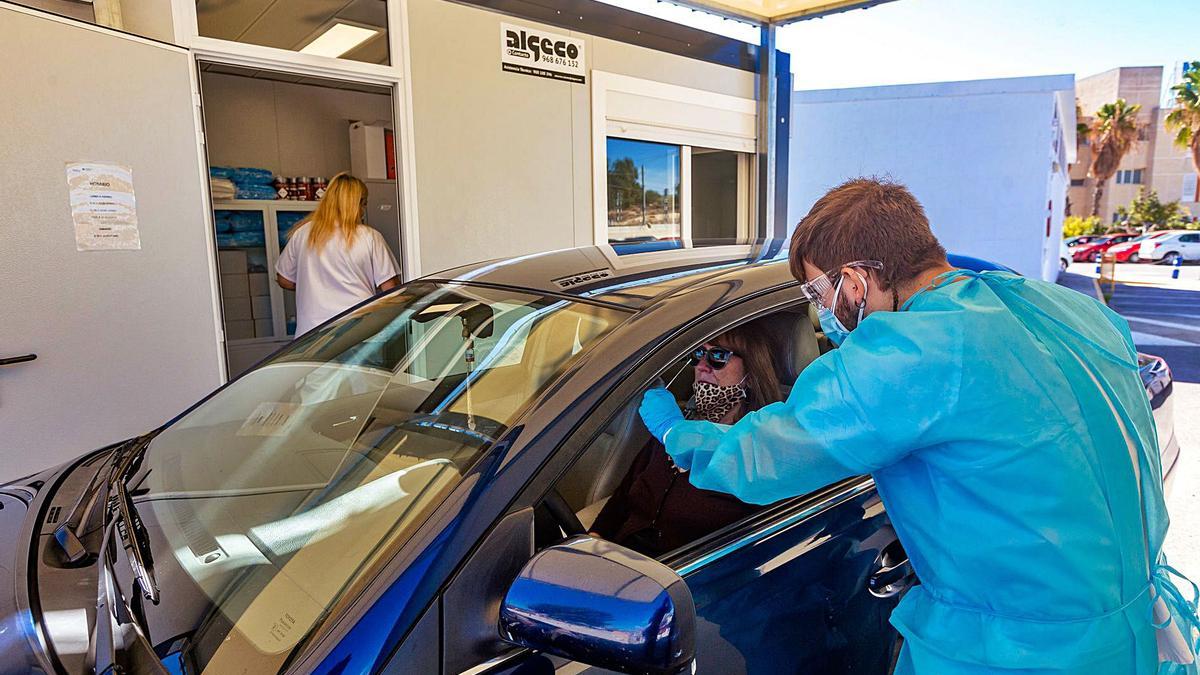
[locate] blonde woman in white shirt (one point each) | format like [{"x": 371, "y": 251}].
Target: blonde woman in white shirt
[{"x": 332, "y": 260}]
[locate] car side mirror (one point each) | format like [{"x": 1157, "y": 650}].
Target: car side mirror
[{"x": 603, "y": 605}]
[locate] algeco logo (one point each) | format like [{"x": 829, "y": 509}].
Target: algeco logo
[
  {"x": 541, "y": 53},
  {"x": 532, "y": 45},
  {"x": 577, "y": 279}
]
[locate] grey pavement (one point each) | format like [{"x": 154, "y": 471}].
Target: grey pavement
[{"x": 1164, "y": 316}]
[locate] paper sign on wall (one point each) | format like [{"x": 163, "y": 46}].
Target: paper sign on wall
[
  {"x": 102, "y": 207},
  {"x": 536, "y": 52}
]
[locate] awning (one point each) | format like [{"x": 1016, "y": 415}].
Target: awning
[{"x": 777, "y": 11}]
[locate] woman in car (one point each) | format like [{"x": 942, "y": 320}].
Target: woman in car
[{"x": 655, "y": 509}]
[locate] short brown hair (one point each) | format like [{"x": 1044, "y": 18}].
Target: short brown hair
[
  {"x": 867, "y": 219},
  {"x": 768, "y": 353}
]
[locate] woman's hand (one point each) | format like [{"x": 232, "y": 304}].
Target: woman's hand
[{"x": 659, "y": 412}]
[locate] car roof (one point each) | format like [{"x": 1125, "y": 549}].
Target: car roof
[
  {"x": 631, "y": 276},
  {"x": 635, "y": 276}
]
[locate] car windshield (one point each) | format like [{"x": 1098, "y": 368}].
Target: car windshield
[{"x": 281, "y": 493}]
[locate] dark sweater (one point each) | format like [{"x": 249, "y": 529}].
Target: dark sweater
[{"x": 655, "y": 509}]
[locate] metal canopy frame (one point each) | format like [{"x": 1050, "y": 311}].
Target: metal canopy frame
[
  {"x": 777, "y": 12},
  {"x": 774, "y": 106}
]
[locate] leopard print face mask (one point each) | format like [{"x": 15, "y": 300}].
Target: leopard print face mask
[{"x": 714, "y": 401}]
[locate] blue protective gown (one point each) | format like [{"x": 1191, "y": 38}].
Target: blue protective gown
[{"x": 1012, "y": 442}]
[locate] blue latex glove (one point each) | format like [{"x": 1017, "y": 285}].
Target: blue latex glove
[{"x": 659, "y": 412}]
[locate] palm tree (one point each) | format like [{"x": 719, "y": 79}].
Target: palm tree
[
  {"x": 1185, "y": 118},
  {"x": 1113, "y": 132}
]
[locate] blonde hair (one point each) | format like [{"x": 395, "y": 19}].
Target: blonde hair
[{"x": 340, "y": 210}]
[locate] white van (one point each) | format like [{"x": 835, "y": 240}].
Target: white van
[{"x": 1183, "y": 246}]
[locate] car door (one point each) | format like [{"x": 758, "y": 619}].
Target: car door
[
  {"x": 1190, "y": 245},
  {"x": 806, "y": 585}
]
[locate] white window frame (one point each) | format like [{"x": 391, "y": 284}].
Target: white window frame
[
  {"x": 674, "y": 115},
  {"x": 397, "y": 76}
]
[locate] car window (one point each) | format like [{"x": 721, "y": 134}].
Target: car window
[
  {"x": 623, "y": 486},
  {"x": 1190, "y": 238}
]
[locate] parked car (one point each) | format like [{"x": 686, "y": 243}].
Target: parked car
[
  {"x": 408, "y": 489},
  {"x": 1096, "y": 248},
  {"x": 1130, "y": 251},
  {"x": 1182, "y": 246},
  {"x": 1064, "y": 256},
  {"x": 1072, "y": 242}
]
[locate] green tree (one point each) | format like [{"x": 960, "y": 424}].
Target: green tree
[
  {"x": 624, "y": 186},
  {"x": 1185, "y": 118},
  {"x": 1148, "y": 212},
  {"x": 1113, "y": 132},
  {"x": 1075, "y": 226}
]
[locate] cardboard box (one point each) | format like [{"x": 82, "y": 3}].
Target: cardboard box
[
  {"x": 260, "y": 307},
  {"x": 263, "y": 328},
  {"x": 232, "y": 262},
  {"x": 239, "y": 330},
  {"x": 234, "y": 285},
  {"x": 368, "y": 151},
  {"x": 260, "y": 284},
  {"x": 237, "y": 309}
]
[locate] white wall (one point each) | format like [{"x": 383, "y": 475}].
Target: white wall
[
  {"x": 504, "y": 160},
  {"x": 291, "y": 129},
  {"x": 976, "y": 154}
]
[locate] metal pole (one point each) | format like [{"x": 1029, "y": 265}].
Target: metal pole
[
  {"x": 644, "y": 223},
  {"x": 767, "y": 104}
]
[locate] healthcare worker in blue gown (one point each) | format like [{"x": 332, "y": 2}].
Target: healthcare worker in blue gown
[{"x": 1009, "y": 434}]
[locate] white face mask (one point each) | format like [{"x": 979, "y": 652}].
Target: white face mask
[{"x": 714, "y": 401}]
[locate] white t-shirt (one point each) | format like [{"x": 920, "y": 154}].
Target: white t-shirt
[{"x": 335, "y": 277}]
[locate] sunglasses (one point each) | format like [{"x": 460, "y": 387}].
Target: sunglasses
[{"x": 717, "y": 357}]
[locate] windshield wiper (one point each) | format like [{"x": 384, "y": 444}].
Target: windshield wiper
[
  {"x": 69, "y": 534},
  {"x": 119, "y": 641},
  {"x": 129, "y": 524}
]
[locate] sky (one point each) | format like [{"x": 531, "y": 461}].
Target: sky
[
  {"x": 661, "y": 162},
  {"x": 910, "y": 41}
]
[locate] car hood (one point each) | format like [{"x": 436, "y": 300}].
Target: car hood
[{"x": 17, "y": 630}]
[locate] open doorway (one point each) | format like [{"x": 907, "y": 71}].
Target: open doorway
[{"x": 273, "y": 141}]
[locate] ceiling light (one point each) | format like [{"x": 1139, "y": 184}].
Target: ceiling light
[{"x": 339, "y": 39}]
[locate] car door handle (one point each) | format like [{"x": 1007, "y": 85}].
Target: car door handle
[
  {"x": 894, "y": 575},
  {"x": 14, "y": 360},
  {"x": 889, "y": 581}
]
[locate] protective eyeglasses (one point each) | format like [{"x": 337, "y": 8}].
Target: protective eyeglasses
[
  {"x": 717, "y": 357},
  {"x": 818, "y": 289}
]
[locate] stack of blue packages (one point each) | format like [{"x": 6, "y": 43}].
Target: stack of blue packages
[
  {"x": 288, "y": 220},
  {"x": 239, "y": 229},
  {"x": 250, "y": 182}
]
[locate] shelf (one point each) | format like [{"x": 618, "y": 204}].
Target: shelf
[{"x": 260, "y": 204}]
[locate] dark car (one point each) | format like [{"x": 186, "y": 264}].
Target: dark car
[{"x": 407, "y": 489}]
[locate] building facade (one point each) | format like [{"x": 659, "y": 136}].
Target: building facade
[
  {"x": 477, "y": 155},
  {"x": 1153, "y": 163}
]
